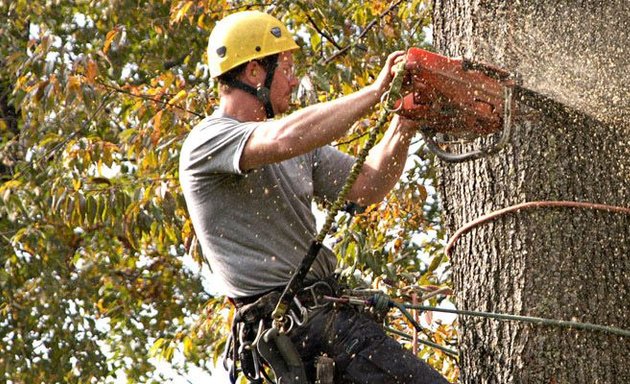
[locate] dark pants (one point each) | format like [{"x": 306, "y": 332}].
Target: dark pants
[{"x": 363, "y": 353}]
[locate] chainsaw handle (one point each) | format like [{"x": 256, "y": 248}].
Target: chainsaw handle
[
  {"x": 506, "y": 134},
  {"x": 451, "y": 157}
]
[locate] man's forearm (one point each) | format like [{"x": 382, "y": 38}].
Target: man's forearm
[{"x": 384, "y": 165}]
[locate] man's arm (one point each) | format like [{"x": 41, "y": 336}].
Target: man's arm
[
  {"x": 384, "y": 164},
  {"x": 313, "y": 126}
]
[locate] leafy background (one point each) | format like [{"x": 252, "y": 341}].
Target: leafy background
[{"x": 101, "y": 267}]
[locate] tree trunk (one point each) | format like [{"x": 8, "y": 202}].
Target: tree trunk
[{"x": 560, "y": 263}]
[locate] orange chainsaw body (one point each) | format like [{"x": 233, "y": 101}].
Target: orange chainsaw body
[{"x": 453, "y": 96}]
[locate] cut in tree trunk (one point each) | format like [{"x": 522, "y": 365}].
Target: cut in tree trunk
[{"x": 560, "y": 263}]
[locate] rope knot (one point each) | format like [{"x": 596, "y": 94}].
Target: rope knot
[{"x": 380, "y": 302}]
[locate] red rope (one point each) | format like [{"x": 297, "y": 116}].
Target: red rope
[{"x": 531, "y": 204}]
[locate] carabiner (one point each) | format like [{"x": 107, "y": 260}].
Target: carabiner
[{"x": 303, "y": 313}]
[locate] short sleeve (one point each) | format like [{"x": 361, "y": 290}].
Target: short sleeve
[{"x": 215, "y": 146}]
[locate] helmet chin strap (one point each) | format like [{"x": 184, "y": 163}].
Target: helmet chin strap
[{"x": 262, "y": 93}]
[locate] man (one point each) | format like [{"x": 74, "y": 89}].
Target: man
[{"x": 249, "y": 181}]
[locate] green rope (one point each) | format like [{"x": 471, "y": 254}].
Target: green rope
[
  {"x": 451, "y": 352},
  {"x": 526, "y": 319},
  {"x": 403, "y": 307},
  {"x": 392, "y": 96}
]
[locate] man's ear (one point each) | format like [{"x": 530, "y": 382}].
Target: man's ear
[{"x": 254, "y": 74}]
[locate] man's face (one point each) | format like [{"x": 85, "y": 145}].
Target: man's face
[{"x": 284, "y": 81}]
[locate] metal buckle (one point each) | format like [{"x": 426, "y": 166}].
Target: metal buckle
[{"x": 318, "y": 303}]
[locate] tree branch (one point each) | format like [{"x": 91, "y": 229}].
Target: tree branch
[
  {"x": 148, "y": 98},
  {"x": 319, "y": 30},
  {"x": 370, "y": 25}
]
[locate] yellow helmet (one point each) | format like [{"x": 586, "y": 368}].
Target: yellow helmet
[{"x": 245, "y": 36}]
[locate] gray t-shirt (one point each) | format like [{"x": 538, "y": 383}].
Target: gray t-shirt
[{"x": 255, "y": 227}]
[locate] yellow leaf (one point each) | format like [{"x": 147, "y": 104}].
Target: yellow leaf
[
  {"x": 21, "y": 81},
  {"x": 74, "y": 84},
  {"x": 156, "y": 347},
  {"x": 180, "y": 95},
  {"x": 157, "y": 123},
  {"x": 346, "y": 89},
  {"x": 167, "y": 80},
  {"x": 188, "y": 346},
  {"x": 182, "y": 11},
  {"x": 200, "y": 21},
  {"x": 10, "y": 184},
  {"x": 101, "y": 308},
  {"x": 92, "y": 71},
  {"x": 109, "y": 38},
  {"x": 167, "y": 353}
]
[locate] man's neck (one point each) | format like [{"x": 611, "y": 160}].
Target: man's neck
[{"x": 242, "y": 106}]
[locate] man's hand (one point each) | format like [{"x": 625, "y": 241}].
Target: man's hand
[
  {"x": 408, "y": 125},
  {"x": 382, "y": 82}
]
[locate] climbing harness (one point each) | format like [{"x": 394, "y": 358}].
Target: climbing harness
[
  {"x": 278, "y": 350},
  {"x": 256, "y": 344},
  {"x": 247, "y": 328}
]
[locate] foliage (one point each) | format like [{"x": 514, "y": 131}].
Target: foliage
[{"x": 96, "y": 99}]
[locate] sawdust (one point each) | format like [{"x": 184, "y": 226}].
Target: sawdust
[{"x": 575, "y": 54}]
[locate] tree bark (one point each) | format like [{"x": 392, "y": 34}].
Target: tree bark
[{"x": 560, "y": 263}]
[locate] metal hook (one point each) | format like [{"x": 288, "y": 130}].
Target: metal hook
[
  {"x": 506, "y": 134},
  {"x": 303, "y": 313},
  {"x": 385, "y": 102}
]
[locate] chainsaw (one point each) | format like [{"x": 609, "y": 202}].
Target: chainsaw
[{"x": 457, "y": 98}]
